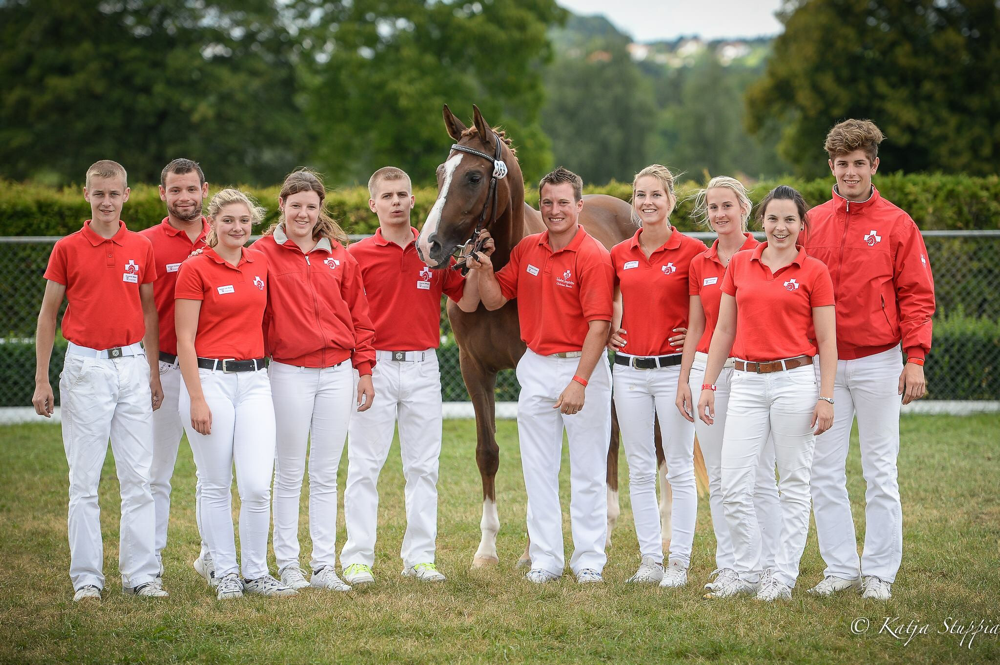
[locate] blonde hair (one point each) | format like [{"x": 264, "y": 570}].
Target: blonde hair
[
  {"x": 387, "y": 173},
  {"x": 106, "y": 168},
  {"x": 666, "y": 178},
  {"x": 700, "y": 212},
  {"x": 851, "y": 135},
  {"x": 305, "y": 180},
  {"x": 228, "y": 197}
]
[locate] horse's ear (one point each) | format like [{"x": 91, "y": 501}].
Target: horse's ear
[
  {"x": 483, "y": 127},
  {"x": 453, "y": 124}
]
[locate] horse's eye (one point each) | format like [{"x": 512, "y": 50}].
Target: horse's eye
[{"x": 474, "y": 178}]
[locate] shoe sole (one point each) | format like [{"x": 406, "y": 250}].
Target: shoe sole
[
  {"x": 230, "y": 596},
  {"x": 199, "y": 567}
]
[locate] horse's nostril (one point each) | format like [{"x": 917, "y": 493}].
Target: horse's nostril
[{"x": 435, "y": 248}]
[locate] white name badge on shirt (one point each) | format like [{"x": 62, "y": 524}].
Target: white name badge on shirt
[
  {"x": 424, "y": 286},
  {"x": 710, "y": 280},
  {"x": 630, "y": 264},
  {"x": 173, "y": 267},
  {"x": 130, "y": 278},
  {"x": 226, "y": 289},
  {"x": 532, "y": 270}
]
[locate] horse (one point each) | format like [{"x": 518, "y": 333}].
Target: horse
[{"x": 471, "y": 183}]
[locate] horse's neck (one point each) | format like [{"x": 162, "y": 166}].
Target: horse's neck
[{"x": 509, "y": 227}]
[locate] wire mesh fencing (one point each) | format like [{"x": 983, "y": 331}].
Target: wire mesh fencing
[{"x": 963, "y": 365}]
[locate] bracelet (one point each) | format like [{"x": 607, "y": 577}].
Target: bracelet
[
  {"x": 916, "y": 361},
  {"x": 825, "y": 399},
  {"x": 709, "y": 386},
  {"x": 582, "y": 382}
]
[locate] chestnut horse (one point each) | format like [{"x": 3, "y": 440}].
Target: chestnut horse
[{"x": 490, "y": 341}]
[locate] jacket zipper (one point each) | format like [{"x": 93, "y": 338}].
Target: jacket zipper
[{"x": 843, "y": 244}]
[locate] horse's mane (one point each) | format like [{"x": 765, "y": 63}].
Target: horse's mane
[{"x": 502, "y": 133}]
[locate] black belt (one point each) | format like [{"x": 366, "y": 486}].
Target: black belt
[
  {"x": 167, "y": 357},
  {"x": 648, "y": 362},
  {"x": 230, "y": 365}
]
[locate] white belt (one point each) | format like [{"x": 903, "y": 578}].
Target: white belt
[
  {"x": 116, "y": 352},
  {"x": 405, "y": 356},
  {"x": 703, "y": 359}
]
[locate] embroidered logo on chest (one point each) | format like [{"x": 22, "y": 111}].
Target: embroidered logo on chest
[
  {"x": 258, "y": 282},
  {"x": 791, "y": 284},
  {"x": 332, "y": 263},
  {"x": 566, "y": 280},
  {"x": 668, "y": 269},
  {"x": 424, "y": 283},
  {"x": 131, "y": 274},
  {"x": 873, "y": 238}
]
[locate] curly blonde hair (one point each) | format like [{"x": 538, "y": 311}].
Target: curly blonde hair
[
  {"x": 227, "y": 197},
  {"x": 851, "y": 135}
]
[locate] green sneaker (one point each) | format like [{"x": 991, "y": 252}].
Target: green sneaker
[
  {"x": 425, "y": 572},
  {"x": 358, "y": 573}
]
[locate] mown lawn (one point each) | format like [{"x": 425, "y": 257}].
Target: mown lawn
[{"x": 949, "y": 478}]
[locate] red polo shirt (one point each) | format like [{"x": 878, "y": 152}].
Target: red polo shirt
[
  {"x": 317, "y": 313},
  {"x": 774, "y": 311},
  {"x": 705, "y": 281},
  {"x": 558, "y": 293},
  {"x": 230, "y": 324},
  {"x": 102, "y": 278},
  {"x": 170, "y": 247},
  {"x": 404, "y": 295},
  {"x": 654, "y": 291}
]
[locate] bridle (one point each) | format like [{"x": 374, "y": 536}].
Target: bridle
[{"x": 499, "y": 173}]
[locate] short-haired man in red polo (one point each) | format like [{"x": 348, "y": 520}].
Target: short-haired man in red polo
[
  {"x": 563, "y": 282},
  {"x": 884, "y": 293},
  {"x": 182, "y": 231},
  {"x": 109, "y": 387}
]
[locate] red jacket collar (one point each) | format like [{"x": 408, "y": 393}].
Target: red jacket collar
[
  {"x": 281, "y": 239},
  {"x": 855, "y": 206},
  {"x": 95, "y": 239}
]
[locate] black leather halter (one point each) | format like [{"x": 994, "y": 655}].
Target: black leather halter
[{"x": 499, "y": 173}]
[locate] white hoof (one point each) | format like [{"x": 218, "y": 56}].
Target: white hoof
[{"x": 484, "y": 562}]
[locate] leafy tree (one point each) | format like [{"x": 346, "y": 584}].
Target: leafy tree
[
  {"x": 926, "y": 71},
  {"x": 381, "y": 70}
]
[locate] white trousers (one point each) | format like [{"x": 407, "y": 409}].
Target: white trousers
[
  {"x": 637, "y": 393},
  {"x": 765, "y": 495},
  {"x": 407, "y": 392},
  {"x": 102, "y": 399},
  {"x": 310, "y": 404},
  {"x": 540, "y": 431},
  {"x": 242, "y": 432},
  {"x": 866, "y": 387},
  {"x": 779, "y": 405},
  {"x": 167, "y": 432}
]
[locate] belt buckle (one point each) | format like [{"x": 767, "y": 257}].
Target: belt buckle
[
  {"x": 115, "y": 352},
  {"x": 224, "y": 369},
  {"x": 399, "y": 355},
  {"x": 632, "y": 362},
  {"x": 757, "y": 366}
]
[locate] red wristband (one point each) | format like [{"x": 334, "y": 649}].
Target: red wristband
[
  {"x": 709, "y": 386},
  {"x": 582, "y": 382},
  {"x": 916, "y": 361}
]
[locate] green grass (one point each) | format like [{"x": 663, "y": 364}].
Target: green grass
[{"x": 949, "y": 474}]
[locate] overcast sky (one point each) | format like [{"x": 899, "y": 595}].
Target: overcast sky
[{"x": 653, "y": 20}]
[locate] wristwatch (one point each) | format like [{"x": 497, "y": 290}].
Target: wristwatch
[{"x": 825, "y": 399}]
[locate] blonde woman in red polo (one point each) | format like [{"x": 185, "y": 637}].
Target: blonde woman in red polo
[{"x": 781, "y": 301}]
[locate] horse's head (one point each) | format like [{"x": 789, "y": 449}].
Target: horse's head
[{"x": 464, "y": 188}]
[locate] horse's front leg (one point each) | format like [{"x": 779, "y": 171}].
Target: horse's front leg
[
  {"x": 666, "y": 494},
  {"x": 614, "y": 509},
  {"x": 480, "y": 384}
]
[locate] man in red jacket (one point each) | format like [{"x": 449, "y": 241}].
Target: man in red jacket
[{"x": 884, "y": 294}]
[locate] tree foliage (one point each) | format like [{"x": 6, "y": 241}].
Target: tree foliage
[{"x": 926, "y": 71}]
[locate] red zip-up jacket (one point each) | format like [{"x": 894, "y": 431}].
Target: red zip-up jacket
[
  {"x": 882, "y": 280},
  {"x": 317, "y": 312}
]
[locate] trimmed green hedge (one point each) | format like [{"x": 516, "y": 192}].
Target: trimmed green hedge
[
  {"x": 935, "y": 202},
  {"x": 964, "y": 365}
]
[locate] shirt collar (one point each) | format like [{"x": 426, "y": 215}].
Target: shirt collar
[
  {"x": 281, "y": 238},
  {"x": 673, "y": 242},
  {"x": 95, "y": 239},
  {"x": 573, "y": 245},
  {"x": 382, "y": 242},
  {"x": 749, "y": 242},
  {"x": 799, "y": 259},
  {"x": 170, "y": 230},
  {"x": 245, "y": 257}
]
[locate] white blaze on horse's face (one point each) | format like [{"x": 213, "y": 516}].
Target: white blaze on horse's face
[{"x": 434, "y": 218}]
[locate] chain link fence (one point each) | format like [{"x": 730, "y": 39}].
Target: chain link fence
[{"x": 964, "y": 363}]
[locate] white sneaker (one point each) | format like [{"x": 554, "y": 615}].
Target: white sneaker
[
  {"x": 425, "y": 572},
  {"x": 326, "y": 578},
  {"x": 147, "y": 590},
  {"x": 589, "y": 576},
  {"x": 205, "y": 567},
  {"x": 731, "y": 587},
  {"x": 89, "y": 592},
  {"x": 540, "y": 576},
  {"x": 874, "y": 588},
  {"x": 771, "y": 589},
  {"x": 675, "y": 575},
  {"x": 650, "y": 572},
  {"x": 267, "y": 586},
  {"x": 291, "y": 576},
  {"x": 831, "y": 585},
  {"x": 720, "y": 575},
  {"x": 229, "y": 587},
  {"x": 358, "y": 573}
]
